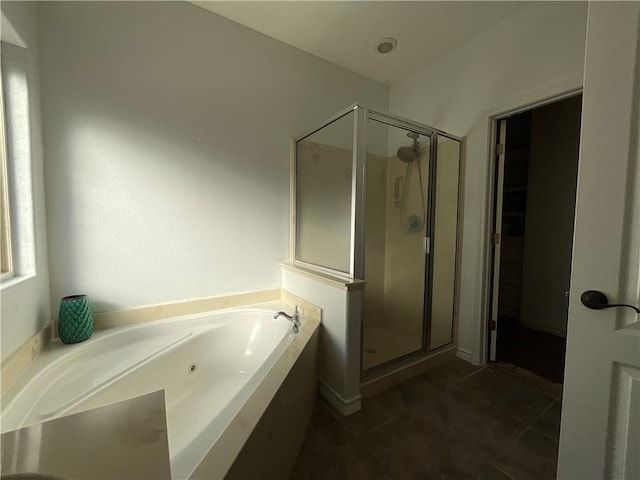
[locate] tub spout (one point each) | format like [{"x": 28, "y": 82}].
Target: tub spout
[{"x": 294, "y": 319}]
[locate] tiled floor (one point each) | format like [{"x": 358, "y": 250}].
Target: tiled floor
[{"x": 454, "y": 422}]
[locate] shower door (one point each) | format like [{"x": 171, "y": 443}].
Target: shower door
[
  {"x": 411, "y": 219},
  {"x": 396, "y": 228}
]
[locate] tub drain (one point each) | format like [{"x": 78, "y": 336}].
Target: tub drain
[{"x": 192, "y": 368}]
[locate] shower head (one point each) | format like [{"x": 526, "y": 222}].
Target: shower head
[{"x": 409, "y": 154}]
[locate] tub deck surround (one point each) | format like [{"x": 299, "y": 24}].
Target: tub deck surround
[
  {"x": 19, "y": 361},
  {"x": 307, "y": 309},
  {"x": 222, "y": 455},
  {"x": 209, "y": 365},
  {"x": 169, "y": 310},
  {"x": 127, "y": 439},
  {"x": 14, "y": 366}
]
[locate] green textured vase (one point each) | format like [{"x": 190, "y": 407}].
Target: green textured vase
[{"x": 75, "y": 321}]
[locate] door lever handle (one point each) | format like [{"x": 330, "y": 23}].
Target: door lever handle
[{"x": 597, "y": 300}]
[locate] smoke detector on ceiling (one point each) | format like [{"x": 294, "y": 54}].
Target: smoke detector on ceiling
[{"x": 386, "y": 45}]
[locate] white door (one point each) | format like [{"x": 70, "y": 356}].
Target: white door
[{"x": 600, "y": 430}]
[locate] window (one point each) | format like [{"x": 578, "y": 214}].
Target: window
[
  {"x": 17, "y": 214},
  {"x": 5, "y": 240}
]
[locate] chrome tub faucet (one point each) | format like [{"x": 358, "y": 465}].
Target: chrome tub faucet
[{"x": 294, "y": 319}]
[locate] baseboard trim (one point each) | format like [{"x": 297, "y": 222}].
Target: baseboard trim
[
  {"x": 541, "y": 328},
  {"x": 464, "y": 354},
  {"x": 345, "y": 407},
  {"x": 398, "y": 373}
]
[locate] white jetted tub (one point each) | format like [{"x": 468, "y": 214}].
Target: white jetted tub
[{"x": 208, "y": 365}]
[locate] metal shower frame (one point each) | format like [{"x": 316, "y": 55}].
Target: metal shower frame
[{"x": 358, "y": 193}]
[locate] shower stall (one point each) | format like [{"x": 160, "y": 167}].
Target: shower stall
[{"x": 376, "y": 197}]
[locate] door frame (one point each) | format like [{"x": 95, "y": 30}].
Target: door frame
[
  {"x": 484, "y": 336},
  {"x": 496, "y": 227}
]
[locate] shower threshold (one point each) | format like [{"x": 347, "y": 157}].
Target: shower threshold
[{"x": 378, "y": 379}]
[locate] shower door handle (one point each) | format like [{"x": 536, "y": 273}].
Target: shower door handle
[{"x": 427, "y": 245}]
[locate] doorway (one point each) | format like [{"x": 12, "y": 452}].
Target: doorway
[{"x": 535, "y": 190}]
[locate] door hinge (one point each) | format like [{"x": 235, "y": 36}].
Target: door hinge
[
  {"x": 492, "y": 325},
  {"x": 499, "y": 149},
  {"x": 495, "y": 239},
  {"x": 427, "y": 245}
]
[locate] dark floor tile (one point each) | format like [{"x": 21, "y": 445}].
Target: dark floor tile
[
  {"x": 324, "y": 434},
  {"x": 351, "y": 461},
  {"x": 533, "y": 456},
  {"x": 449, "y": 373},
  {"x": 431, "y": 383},
  {"x": 508, "y": 395},
  {"x": 539, "y": 383},
  {"x": 453, "y": 422},
  {"x": 376, "y": 411},
  {"x": 410, "y": 447},
  {"x": 466, "y": 418},
  {"x": 419, "y": 388},
  {"x": 549, "y": 421},
  {"x": 489, "y": 472}
]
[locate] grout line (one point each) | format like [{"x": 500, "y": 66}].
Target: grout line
[
  {"x": 545, "y": 434},
  {"x": 376, "y": 427},
  {"x": 518, "y": 378},
  {"x": 502, "y": 472},
  {"x": 512, "y": 442},
  {"x": 489, "y": 404},
  {"x": 526, "y": 427},
  {"x": 538, "y": 418},
  {"x": 339, "y": 418},
  {"x": 470, "y": 375},
  {"x": 500, "y": 410}
]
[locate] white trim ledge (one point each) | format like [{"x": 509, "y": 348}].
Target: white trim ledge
[{"x": 333, "y": 280}]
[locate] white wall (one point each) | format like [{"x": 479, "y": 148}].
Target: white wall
[
  {"x": 537, "y": 53},
  {"x": 167, "y": 133},
  {"x": 25, "y": 299},
  {"x": 340, "y": 335},
  {"x": 445, "y": 242}
]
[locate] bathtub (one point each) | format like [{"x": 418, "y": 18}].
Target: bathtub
[{"x": 209, "y": 365}]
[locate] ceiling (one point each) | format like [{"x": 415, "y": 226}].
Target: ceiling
[{"x": 346, "y": 33}]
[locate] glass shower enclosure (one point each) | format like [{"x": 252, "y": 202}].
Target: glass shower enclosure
[{"x": 377, "y": 198}]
